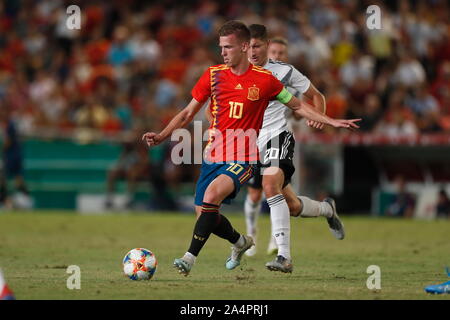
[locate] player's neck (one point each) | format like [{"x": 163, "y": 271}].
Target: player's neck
[
  {"x": 241, "y": 68},
  {"x": 264, "y": 62}
]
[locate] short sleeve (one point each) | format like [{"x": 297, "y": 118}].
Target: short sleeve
[
  {"x": 275, "y": 87},
  {"x": 202, "y": 89},
  {"x": 298, "y": 81}
]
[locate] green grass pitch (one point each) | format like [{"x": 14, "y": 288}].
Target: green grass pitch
[{"x": 36, "y": 248}]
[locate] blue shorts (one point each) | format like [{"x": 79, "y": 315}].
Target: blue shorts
[{"x": 239, "y": 172}]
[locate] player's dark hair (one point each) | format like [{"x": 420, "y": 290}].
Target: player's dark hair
[
  {"x": 279, "y": 40},
  {"x": 258, "y": 31},
  {"x": 238, "y": 28}
]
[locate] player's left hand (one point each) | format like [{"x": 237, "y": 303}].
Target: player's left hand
[
  {"x": 315, "y": 124},
  {"x": 346, "y": 123}
]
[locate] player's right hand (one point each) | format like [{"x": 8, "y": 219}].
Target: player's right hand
[
  {"x": 315, "y": 124},
  {"x": 151, "y": 138}
]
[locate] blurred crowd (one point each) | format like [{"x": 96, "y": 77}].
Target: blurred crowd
[{"x": 133, "y": 63}]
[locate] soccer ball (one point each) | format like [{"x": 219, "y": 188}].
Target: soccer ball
[{"x": 139, "y": 264}]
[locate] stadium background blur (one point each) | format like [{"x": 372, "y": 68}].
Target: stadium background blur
[{"x": 79, "y": 98}]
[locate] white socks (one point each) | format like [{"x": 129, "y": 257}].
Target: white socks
[
  {"x": 313, "y": 208},
  {"x": 281, "y": 228},
  {"x": 251, "y": 211},
  {"x": 189, "y": 257},
  {"x": 240, "y": 243}
]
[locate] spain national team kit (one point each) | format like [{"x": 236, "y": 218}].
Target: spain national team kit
[{"x": 238, "y": 103}]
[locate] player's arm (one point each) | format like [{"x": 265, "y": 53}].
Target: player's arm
[
  {"x": 183, "y": 118},
  {"x": 317, "y": 98},
  {"x": 318, "y": 101},
  {"x": 304, "y": 109},
  {"x": 309, "y": 92},
  {"x": 200, "y": 93}
]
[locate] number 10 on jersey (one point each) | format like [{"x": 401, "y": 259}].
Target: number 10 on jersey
[{"x": 236, "y": 109}]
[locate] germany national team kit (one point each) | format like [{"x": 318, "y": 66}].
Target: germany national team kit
[{"x": 275, "y": 142}]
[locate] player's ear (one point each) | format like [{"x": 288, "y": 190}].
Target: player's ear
[{"x": 245, "y": 46}]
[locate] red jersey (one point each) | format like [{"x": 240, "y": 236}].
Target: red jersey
[{"x": 238, "y": 103}]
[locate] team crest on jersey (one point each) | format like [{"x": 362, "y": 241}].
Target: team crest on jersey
[{"x": 253, "y": 93}]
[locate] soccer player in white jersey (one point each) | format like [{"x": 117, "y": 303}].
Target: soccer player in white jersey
[
  {"x": 276, "y": 145},
  {"x": 278, "y": 49}
]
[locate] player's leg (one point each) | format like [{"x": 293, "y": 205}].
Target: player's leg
[
  {"x": 294, "y": 205},
  {"x": 198, "y": 211},
  {"x": 308, "y": 208},
  {"x": 293, "y": 202},
  {"x": 132, "y": 176},
  {"x": 272, "y": 246},
  {"x": 211, "y": 191},
  {"x": 252, "y": 208},
  {"x": 3, "y": 189},
  {"x": 211, "y": 221},
  {"x": 239, "y": 174},
  {"x": 207, "y": 221},
  {"x": 112, "y": 177},
  {"x": 273, "y": 180},
  {"x": 278, "y": 170},
  {"x": 219, "y": 189},
  {"x": 20, "y": 184},
  {"x": 185, "y": 263}
]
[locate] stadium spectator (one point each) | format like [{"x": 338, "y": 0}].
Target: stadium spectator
[
  {"x": 141, "y": 48},
  {"x": 145, "y": 48},
  {"x": 398, "y": 120},
  {"x": 421, "y": 102},
  {"x": 371, "y": 113},
  {"x": 409, "y": 72},
  {"x": 337, "y": 101},
  {"x": 358, "y": 68},
  {"x": 443, "y": 205},
  {"x": 120, "y": 52},
  {"x": 426, "y": 108},
  {"x": 403, "y": 203},
  {"x": 440, "y": 88}
]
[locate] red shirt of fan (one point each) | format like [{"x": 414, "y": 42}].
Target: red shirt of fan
[{"x": 237, "y": 105}]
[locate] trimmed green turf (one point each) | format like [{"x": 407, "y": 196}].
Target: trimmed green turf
[{"x": 36, "y": 248}]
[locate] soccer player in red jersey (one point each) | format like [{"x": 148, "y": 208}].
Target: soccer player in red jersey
[{"x": 240, "y": 92}]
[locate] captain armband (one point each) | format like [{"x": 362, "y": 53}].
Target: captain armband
[{"x": 284, "y": 96}]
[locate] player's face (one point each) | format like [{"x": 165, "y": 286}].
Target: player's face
[
  {"x": 233, "y": 50},
  {"x": 257, "y": 53},
  {"x": 277, "y": 51}
]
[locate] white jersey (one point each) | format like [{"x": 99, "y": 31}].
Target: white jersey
[{"x": 275, "y": 121}]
